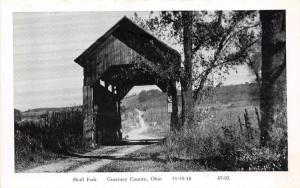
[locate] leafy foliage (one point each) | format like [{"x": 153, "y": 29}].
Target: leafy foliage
[
  {"x": 254, "y": 61},
  {"x": 220, "y": 39},
  {"x": 145, "y": 95}
]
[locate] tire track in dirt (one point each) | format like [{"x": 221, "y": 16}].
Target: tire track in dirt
[
  {"x": 94, "y": 166},
  {"x": 65, "y": 165}
]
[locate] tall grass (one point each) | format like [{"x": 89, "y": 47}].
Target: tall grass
[
  {"x": 29, "y": 151},
  {"x": 56, "y": 130},
  {"x": 52, "y": 133},
  {"x": 219, "y": 144}
]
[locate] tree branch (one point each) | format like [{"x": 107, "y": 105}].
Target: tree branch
[
  {"x": 202, "y": 82},
  {"x": 237, "y": 56},
  {"x": 235, "y": 33},
  {"x": 195, "y": 49}
]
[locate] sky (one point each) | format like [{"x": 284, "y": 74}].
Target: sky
[{"x": 45, "y": 46}]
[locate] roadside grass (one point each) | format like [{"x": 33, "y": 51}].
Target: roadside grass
[
  {"x": 47, "y": 138},
  {"x": 216, "y": 140},
  {"x": 30, "y": 152}
]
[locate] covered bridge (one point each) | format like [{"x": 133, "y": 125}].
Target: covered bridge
[{"x": 125, "y": 56}]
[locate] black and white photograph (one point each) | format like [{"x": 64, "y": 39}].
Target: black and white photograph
[
  {"x": 150, "y": 91},
  {"x": 136, "y": 94}
]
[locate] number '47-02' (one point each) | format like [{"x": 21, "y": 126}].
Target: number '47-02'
[{"x": 223, "y": 178}]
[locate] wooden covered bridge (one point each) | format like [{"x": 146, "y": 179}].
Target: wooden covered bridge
[{"x": 125, "y": 56}]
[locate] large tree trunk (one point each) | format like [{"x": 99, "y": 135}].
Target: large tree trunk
[
  {"x": 172, "y": 91},
  {"x": 272, "y": 93},
  {"x": 186, "y": 82}
]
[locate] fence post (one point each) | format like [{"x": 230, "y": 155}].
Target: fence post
[
  {"x": 257, "y": 117},
  {"x": 248, "y": 124},
  {"x": 240, "y": 123}
]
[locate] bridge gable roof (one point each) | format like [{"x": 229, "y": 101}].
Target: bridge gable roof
[{"x": 137, "y": 39}]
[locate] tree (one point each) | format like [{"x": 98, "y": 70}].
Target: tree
[
  {"x": 211, "y": 42},
  {"x": 273, "y": 88},
  {"x": 186, "y": 81},
  {"x": 17, "y": 115}
]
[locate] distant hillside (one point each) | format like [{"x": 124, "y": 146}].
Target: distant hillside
[
  {"x": 235, "y": 93},
  {"x": 223, "y": 95},
  {"x": 35, "y": 113},
  {"x": 145, "y": 99},
  {"x": 157, "y": 99}
]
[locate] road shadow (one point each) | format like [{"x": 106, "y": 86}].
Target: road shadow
[
  {"x": 211, "y": 163},
  {"x": 124, "y": 158},
  {"x": 214, "y": 164},
  {"x": 127, "y": 142}
]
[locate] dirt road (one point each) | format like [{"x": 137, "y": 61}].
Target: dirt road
[
  {"x": 94, "y": 160},
  {"x": 136, "y": 134}
]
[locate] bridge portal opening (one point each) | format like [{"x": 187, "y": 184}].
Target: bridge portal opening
[{"x": 144, "y": 113}]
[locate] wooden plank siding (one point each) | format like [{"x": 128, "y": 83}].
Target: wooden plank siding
[{"x": 111, "y": 52}]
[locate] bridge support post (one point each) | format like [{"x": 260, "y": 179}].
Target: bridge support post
[{"x": 89, "y": 130}]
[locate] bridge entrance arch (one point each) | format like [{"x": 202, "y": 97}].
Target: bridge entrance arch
[{"x": 125, "y": 56}]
